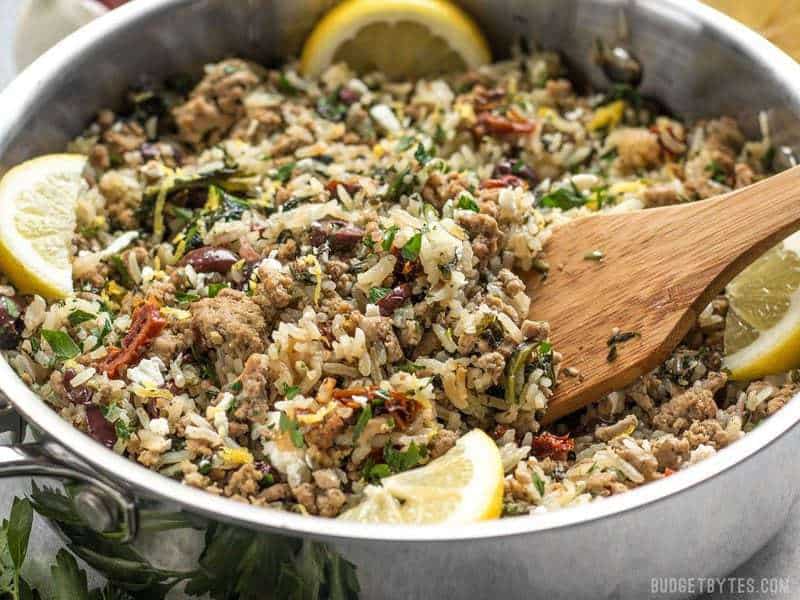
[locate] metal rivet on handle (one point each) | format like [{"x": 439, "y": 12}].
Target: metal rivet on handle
[{"x": 99, "y": 514}]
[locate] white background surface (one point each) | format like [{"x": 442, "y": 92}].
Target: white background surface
[{"x": 779, "y": 559}]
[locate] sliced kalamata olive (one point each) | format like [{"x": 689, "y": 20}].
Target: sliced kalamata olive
[
  {"x": 99, "y": 428},
  {"x": 394, "y": 299},
  {"x": 210, "y": 259},
  {"x": 10, "y": 322},
  {"x": 518, "y": 169},
  {"x": 149, "y": 151},
  {"x": 340, "y": 235},
  {"x": 346, "y": 238},
  {"x": 79, "y": 394},
  {"x": 319, "y": 234},
  {"x": 348, "y": 95}
]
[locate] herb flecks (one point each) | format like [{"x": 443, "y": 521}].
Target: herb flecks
[{"x": 618, "y": 337}]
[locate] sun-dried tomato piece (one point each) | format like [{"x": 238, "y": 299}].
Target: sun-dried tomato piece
[
  {"x": 502, "y": 182},
  {"x": 488, "y": 99},
  {"x": 402, "y": 408},
  {"x": 351, "y": 187},
  {"x": 557, "y": 447},
  {"x": 146, "y": 324},
  {"x": 500, "y": 125}
]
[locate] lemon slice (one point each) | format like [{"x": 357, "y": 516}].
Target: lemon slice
[
  {"x": 37, "y": 222},
  {"x": 762, "y": 328},
  {"x": 400, "y": 38},
  {"x": 776, "y": 20},
  {"x": 462, "y": 486}
]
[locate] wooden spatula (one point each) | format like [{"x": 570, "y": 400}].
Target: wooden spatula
[{"x": 659, "y": 269}]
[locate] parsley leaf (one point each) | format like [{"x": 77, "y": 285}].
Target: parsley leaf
[
  {"x": 361, "y": 422},
  {"x": 187, "y": 297},
  {"x": 410, "y": 250},
  {"x": 377, "y": 293},
  {"x": 284, "y": 173},
  {"x": 11, "y": 307},
  {"x": 716, "y": 172},
  {"x": 388, "y": 238},
  {"x": 62, "y": 345},
  {"x": 214, "y": 289},
  {"x": 537, "y": 481},
  {"x": 285, "y": 86},
  {"x": 76, "y": 317},
  {"x": 403, "y": 461},
  {"x": 69, "y": 581},
  {"x": 404, "y": 143},
  {"x": 563, "y": 198},
  {"x": 121, "y": 270},
  {"x": 423, "y": 156},
  {"x": 467, "y": 202},
  {"x": 289, "y": 425},
  {"x": 330, "y": 108},
  {"x": 377, "y": 472},
  {"x": 19, "y": 530},
  {"x": 401, "y": 184},
  {"x": 290, "y": 391}
]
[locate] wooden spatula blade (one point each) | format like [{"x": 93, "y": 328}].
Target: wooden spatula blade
[{"x": 659, "y": 269}]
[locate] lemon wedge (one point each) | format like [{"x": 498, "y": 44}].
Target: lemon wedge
[
  {"x": 462, "y": 486},
  {"x": 762, "y": 328},
  {"x": 400, "y": 38},
  {"x": 37, "y": 222},
  {"x": 776, "y": 20}
]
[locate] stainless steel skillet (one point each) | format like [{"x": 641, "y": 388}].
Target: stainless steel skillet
[{"x": 699, "y": 523}]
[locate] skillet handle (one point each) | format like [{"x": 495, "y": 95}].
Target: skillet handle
[{"x": 102, "y": 506}]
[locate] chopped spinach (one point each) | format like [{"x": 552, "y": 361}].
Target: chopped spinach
[{"x": 63, "y": 346}]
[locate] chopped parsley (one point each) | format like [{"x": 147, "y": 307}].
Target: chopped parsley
[
  {"x": 401, "y": 184},
  {"x": 285, "y": 86},
  {"x": 290, "y": 391},
  {"x": 284, "y": 173},
  {"x": 361, "y": 422},
  {"x": 404, "y": 143},
  {"x": 422, "y": 155},
  {"x": 329, "y": 107},
  {"x": 187, "y": 297},
  {"x": 121, "y": 271},
  {"x": 537, "y": 481},
  {"x": 563, "y": 198},
  {"x": 290, "y": 426},
  {"x": 403, "y": 461},
  {"x": 388, "y": 238},
  {"x": 76, "y": 317},
  {"x": 214, "y": 289},
  {"x": 409, "y": 367},
  {"x": 410, "y": 250},
  {"x": 716, "y": 172},
  {"x": 467, "y": 202}
]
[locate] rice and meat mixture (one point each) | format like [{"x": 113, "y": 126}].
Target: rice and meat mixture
[{"x": 290, "y": 288}]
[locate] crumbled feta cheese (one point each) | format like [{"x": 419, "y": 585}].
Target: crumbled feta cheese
[
  {"x": 384, "y": 116},
  {"x": 159, "y": 426},
  {"x": 147, "y": 373}
]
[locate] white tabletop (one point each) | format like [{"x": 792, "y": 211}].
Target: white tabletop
[{"x": 779, "y": 559}]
